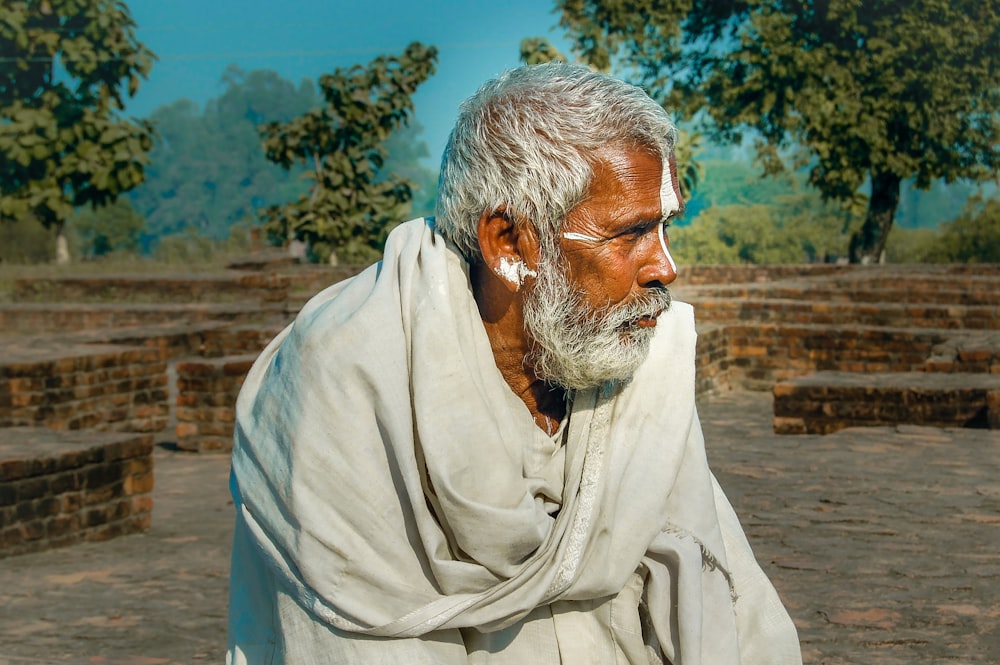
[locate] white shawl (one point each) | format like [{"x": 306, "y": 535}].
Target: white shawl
[{"x": 378, "y": 463}]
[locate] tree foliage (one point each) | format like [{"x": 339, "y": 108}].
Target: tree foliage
[
  {"x": 794, "y": 228},
  {"x": 209, "y": 174},
  {"x": 349, "y": 210},
  {"x": 25, "y": 241},
  {"x": 66, "y": 67},
  {"x": 208, "y": 170},
  {"x": 538, "y": 50},
  {"x": 972, "y": 237},
  {"x": 405, "y": 155},
  {"x": 113, "y": 228},
  {"x": 928, "y": 209},
  {"x": 874, "y": 91}
]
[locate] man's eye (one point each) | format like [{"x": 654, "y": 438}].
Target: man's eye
[{"x": 639, "y": 231}]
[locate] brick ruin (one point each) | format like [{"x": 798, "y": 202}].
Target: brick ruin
[
  {"x": 96, "y": 369},
  {"x": 859, "y": 346}
]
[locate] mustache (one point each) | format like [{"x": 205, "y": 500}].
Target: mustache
[{"x": 647, "y": 304}]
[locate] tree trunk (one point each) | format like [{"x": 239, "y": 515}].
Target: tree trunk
[
  {"x": 62, "y": 246},
  {"x": 868, "y": 244}
]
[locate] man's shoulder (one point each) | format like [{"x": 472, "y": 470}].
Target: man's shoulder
[{"x": 358, "y": 290}]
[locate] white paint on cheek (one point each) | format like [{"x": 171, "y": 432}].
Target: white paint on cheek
[
  {"x": 514, "y": 271},
  {"x": 666, "y": 250}
]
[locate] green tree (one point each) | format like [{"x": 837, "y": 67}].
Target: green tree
[
  {"x": 870, "y": 91},
  {"x": 113, "y": 228},
  {"x": 731, "y": 182},
  {"x": 208, "y": 170},
  {"x": 349, "y": 210},
  {"x": 405, "y": 152},
  {"x": 797, "y": 228},
  {"x": 702, "y": 243},
  {"x": 25, "y": 241},
  {"x": 928, "y": 209},
  {"x": 538, "y": 50},
  {"x": 973, "y": 236},
  {"x": 918, "y": 245},
  {"x": 66, "y": 66}
]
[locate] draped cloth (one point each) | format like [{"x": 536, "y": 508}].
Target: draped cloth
[{"x": 380, "y": 474}]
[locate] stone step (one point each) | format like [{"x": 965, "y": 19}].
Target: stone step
[
  {"x": 84, "y": 386},
  {"x": 984, "y": 293},
  {"x": 887, "y": 314},
  {"x": 232, "y": 286},
  {"x": 35, "y": 318},
  {"x": 60, "y": 488},
  {"x": 206, "y": 398},
  {"x": 825, "y": 402}
]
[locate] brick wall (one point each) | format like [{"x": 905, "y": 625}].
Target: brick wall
[
  {"x": 209, "y": 339},
  {"x": 974, "y": 353},
  {"x": 311, "y": 279},
  {"x": 192, "y": 288},
  {"x": 760, "y": 355},
  {"x": 694, "y": 275},
  {"x": 207, "y": 391},
  {"x": 892, "y": 314},
  {"x": 851, "y": 291},
  {"x": 58, "y": 488},
  {"x": 38, "y": 318},
  {"x": 752, "y": 334},
  {"x": 755, "y": 356},
  {"x": 829, "y": 401},
  {"x": 236, "y": 340},
  {"x": 85, "y": 387},
  {"x": 712, "y": 359}
]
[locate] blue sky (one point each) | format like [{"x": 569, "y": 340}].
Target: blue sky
[{"x": 196, "y": 40}]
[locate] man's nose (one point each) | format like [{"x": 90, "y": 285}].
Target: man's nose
[{"x": 658, "y": 267}]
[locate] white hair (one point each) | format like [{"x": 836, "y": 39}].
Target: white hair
[{"x": 522, "y": 144}]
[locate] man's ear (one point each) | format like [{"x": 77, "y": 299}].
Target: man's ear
[{"x": 509, "y": 248}]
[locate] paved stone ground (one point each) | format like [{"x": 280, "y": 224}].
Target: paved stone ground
[
  {"x": 157, "y": 598},
  {"x": 884, "y": 543}
]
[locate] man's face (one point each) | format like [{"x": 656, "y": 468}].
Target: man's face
[{"x": 593, "y": 309}]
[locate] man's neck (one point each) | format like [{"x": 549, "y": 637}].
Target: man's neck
[
  {"x": 545, "y": 402},
  {"x": 503, "y": 319}
]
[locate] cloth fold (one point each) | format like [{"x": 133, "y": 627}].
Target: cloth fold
[{"x": 379, "y": 466}]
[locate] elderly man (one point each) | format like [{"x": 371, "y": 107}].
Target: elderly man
[{"x": 484, "y": 449}]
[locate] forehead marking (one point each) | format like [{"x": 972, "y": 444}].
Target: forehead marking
[{"x": 669, "y": 204}]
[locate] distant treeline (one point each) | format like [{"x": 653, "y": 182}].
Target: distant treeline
[
  {"x": 209, "y": 177},
  {"x": 208, "y": 169}
]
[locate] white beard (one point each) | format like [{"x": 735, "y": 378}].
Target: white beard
[{"x": 578, "y": 347}]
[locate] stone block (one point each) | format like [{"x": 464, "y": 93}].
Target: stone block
[
  {"x": 993, "y": 409},
  {"x": 72, "y": 487},
  {"x": 879, "y": 399},
  {"x": 789, "y": 425}
]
